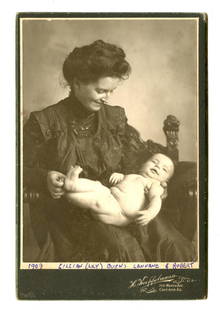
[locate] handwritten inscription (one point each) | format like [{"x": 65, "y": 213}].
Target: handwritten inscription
[
  {"x": 93, "y": 266},
  {"x": 148, "y": 266},
  {"x": 179, "y": 265},
  {"x": 116, "y": 266},
  {"x": 35, "y": 266},
  {"x": 70, "y": 266},
  {"x": 182, "y": 265},
  {"x": 107, "y": 266},
  {"x": 111, "y": 266}
]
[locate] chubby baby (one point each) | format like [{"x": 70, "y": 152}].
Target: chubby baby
[{"x": 132, "y": 197}]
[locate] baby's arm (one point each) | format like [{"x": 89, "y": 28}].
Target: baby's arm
[
  {"x": 115, "y": 178},
  {"x": 154, "y": 206}
]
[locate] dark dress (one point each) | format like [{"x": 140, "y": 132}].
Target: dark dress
[{"x": 66, "y": 134}]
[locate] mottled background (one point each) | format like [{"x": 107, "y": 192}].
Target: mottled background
[{"x": 163, "y": 57}]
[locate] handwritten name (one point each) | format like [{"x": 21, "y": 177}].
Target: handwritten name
[
  {"x": 91, "y": 266},
  {"x": 110, "y": 266},
  {"x": 116, "y": 266},
  {"x": 150, "y": 266},
  {"x": 182, "y": 265},
  {"x": 70, "y": 266}
]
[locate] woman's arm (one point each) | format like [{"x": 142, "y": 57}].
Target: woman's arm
[{"x": 35, "y": 173}]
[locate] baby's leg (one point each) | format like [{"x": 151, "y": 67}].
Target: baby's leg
[
  {"x": 75, "y": 184},
  {"x": 85, "y": 200},
  {"x": 97, "y": 201},
  {"x": 103, "y": 205},
  {"x": 71, "y": 179}
]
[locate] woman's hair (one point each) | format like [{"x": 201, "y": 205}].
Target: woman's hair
[{"x": 91, "y": 62}]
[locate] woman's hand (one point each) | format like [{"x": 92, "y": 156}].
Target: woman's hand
[{"x": 55, "y": 182}]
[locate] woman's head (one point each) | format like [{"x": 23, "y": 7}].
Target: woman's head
[
  {"x": 97, "y": 60},
  {"x": 94, "y": 71}
]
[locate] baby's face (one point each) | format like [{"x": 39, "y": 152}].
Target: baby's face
[{"x": 158, "y": 167}]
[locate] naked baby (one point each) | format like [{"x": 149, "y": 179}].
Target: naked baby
[{"x": 133, "y": 197}]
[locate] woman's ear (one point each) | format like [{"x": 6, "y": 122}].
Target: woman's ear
[{"x": 75, "y": 84}]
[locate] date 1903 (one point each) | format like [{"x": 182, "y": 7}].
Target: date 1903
[{"x": 35, "y": 266}]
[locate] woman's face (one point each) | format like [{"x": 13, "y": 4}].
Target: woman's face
[{"x": 93, "y": 95}]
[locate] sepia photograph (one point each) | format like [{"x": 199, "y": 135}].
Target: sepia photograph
[{"x": 110, "y": 149}]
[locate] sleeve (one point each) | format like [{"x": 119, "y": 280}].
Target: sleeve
[{"x": 34, "y": 171}]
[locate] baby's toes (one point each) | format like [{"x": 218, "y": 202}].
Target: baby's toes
[
  {"x": 79, "y": 170},
  {"x": 74, "y": 171}
]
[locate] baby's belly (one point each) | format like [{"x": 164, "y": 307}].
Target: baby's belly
[{"x": 130, "y": 201}]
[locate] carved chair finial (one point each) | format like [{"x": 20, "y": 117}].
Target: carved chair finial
[{"x": 171, "y": 130}]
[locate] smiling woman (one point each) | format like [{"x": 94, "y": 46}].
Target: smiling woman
[
  {"x": 93, "y": 95},
  {"x": 84, "y": 130},
  {"x": 94, "y": 71}
]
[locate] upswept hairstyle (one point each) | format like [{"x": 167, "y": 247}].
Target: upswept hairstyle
[{"x": 91, "y": 62}]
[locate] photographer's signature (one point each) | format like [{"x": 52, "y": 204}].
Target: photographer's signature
[{"x": 154, "y": 284}]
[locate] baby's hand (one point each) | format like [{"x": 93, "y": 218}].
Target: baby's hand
[
  {"x": 116, "y": 178},
  {"x": 164, "y": 185},
  {"x": 143, "y": 218}
]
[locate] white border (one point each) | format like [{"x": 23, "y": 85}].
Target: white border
[
  {"x": 7, "y": 154},
  {"x": 101, "y": 265}
]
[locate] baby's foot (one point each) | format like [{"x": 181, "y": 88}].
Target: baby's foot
[
  {"x": 75, "y": 171},
  {"x": 71, "y": 177}
]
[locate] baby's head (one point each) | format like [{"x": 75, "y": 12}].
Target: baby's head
[{"x": 159, "y": 167}]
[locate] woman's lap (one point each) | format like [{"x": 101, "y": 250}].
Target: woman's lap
[
  {"x": 161, "y": 242},
  {"x": 82, "y": 238}
]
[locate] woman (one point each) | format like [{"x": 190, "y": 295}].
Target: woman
[{"x": 83, "y": 129}]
